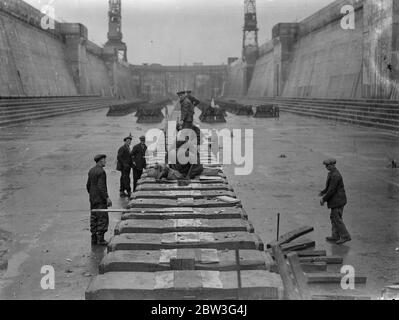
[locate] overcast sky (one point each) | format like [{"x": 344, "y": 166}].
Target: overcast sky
[{"x": 171, "y": 32}]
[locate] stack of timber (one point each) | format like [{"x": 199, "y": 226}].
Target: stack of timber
[
  {"x": 186, "y": 240},
  {"x": 212, "y": 114},
  {"x": 267, "y": 111},
  {"x": 301, "y": 267},
  {"x": 246, "y": 107},
  {"x": 151, "y": 111}
]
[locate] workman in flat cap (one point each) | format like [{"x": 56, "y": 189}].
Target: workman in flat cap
[
  {"x": 97, "y": 188},
  {"x": 139, "y": 161},
  {"x": 124, "y": 165},
  {"x": 335, "y": 196},
  {"x": 187, "y": 109}
]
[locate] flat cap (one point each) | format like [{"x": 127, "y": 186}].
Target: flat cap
[
  {"x": 142, "y": 138},
  {"x": 180, "y": 92},
  {"x": 330, "y": 161},
  {"x": 128, "y": 138},
  {"x": 99, "y": 157}
]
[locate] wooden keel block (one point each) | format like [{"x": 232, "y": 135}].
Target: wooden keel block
[
  {"x": 326, "y": 277},
  {"x": 176, "y": 285},
  {"x": 183, "y": 225},
  {"x": 205, "y": 259},
  {"x": 190, "y": 186},
  {"x": 185, "y": 240},
  {"x": 176, "y": 194},
  {"x": 181, "y": 202},
  {"x": 208, "y": 180},
  {"x": 186, "y": 213}
]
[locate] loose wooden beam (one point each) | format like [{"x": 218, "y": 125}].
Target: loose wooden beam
[
  {"x": 327, "y": 259},
  {"x": 288, "y": 237},
  {"x": 298, "y": 245},
  {"x": 299, "y": 276},
  {"x": 327, "y": 277},
  {"x": 327, "y": 297},
  {"x": 291, "y": 291}
]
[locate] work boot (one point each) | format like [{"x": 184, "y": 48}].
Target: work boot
[
  {"x": 332, "y": 239},
  {"x": 129, "y": 195},
  {"x": 100, "y": 240},
  {"x": 343, "y": 240},
  {"x": 122, "y": 195},
  {"x": 93, "y": 239}
]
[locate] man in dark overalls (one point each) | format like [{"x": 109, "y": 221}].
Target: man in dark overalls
[
  {"x": 124, "y": 165},
  {"x": 187, "y": 110},
  {"x": 335, "y": 196},
  {"x": 138, "y": 160},
  {"x": 97, "y": 188}
]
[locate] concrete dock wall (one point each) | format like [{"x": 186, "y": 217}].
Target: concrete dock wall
[
  {"x": 318, "y": 58},
  {"x": 327, "y": 62},
  {"x": 32, "y": 62},
  {"x": 234, "y": 86},
  {"x": 60, "y": 61}
]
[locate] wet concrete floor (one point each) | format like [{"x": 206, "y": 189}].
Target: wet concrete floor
[{"x": 44, "y": 204}]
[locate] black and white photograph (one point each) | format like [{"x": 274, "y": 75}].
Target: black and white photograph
[{"x": 197, "y": 156}]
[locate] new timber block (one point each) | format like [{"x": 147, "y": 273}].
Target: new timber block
[
  {"x": 184, "y": 260},
  {"x": 181, "y": 202},
  {"x": 178, "y": 285},
  {"x": 183, "y": 225},
  {"x": 185, "y": 240},
  {"x": 205, "y": 259},
  {"x": 176, "y": 194},
  {"x": 186, "y": 213},
  {"x": 191, "y": 186}
]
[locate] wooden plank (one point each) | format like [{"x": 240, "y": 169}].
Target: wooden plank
[
  {"x": 314, "y": 267},
  {"x": 176, "y": 285},
  {"x": 299, "y": 276},
  {"x": 220, "y": 241},
  {"x": 291, "y": 291},
  {"x": 332, "y": 297},
  {"x": 175, "y": 194},
  {"x": 327, "y": 277},
  {"x": 311, "y": 253},
  {"x": 327, "y": 259},
  {"x": 170, "y": 203},
  {"x": 288, "y": 237},
  {"x": 185, "y": 213},
  {"x": 298, "y": 245},
  {"x": 183, "y": 225}
]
